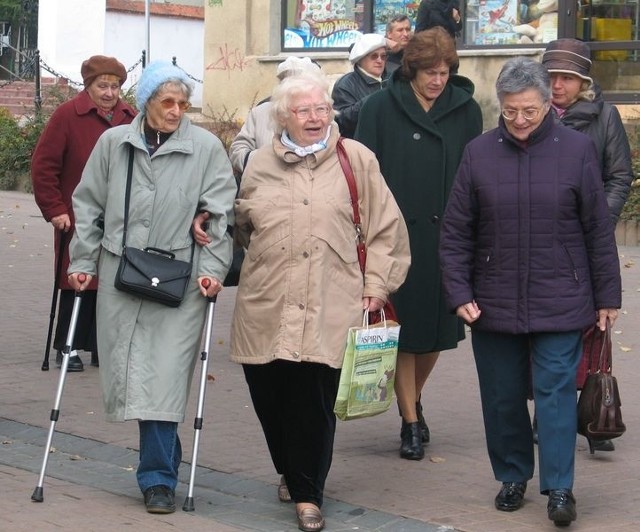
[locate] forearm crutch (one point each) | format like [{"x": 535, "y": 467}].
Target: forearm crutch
[
  {"x": 54, "y": 298},
  {"x": 188, "y": 505},
  {"x": 38, "y": 493}
]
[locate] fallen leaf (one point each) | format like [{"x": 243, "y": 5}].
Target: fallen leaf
[
  {"x": 128, "y": 468},
  {"x": 437, "y": 459},
  {"x": 210, "y": 377},
  {"x": 53, "y": 450},
  {"x": 6, "y": 442},
  {"x": 76, "y": 457},
  {"x": 625, "y": 349}
]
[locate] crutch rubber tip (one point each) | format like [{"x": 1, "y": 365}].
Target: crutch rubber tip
[
  {"x": 38, "y": 494},
  {"x": 45, "y": 366},
  {"x": 188, "y": 505}
]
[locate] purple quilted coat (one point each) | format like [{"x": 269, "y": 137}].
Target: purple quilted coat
[{"x": 527, "y": 233}]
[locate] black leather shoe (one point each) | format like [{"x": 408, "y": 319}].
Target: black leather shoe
[
  {"x": 411, "y": 446},
  {"x": 75, "y": 364},
  {"x": 561, "y": 507},
  {"x": 424, "y": 429},
  {"x": 600, "y": 445},
  {"x": 511, "y": 496},
  {"x": 159, "y": 500}
]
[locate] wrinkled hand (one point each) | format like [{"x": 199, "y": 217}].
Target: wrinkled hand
[
  {"x": 372, "y": 304},
  {"x": 76, "y": 283},
  {"x": 469, "y": 312},
  {"x": 209, "y": 286},
  {"x": 605, "y": 314},
  {"x": 198, "y": 228},
  {"x": 62, "y": 222}
]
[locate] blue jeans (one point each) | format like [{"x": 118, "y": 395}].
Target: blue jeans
[
  {"x": 160, "y": 454},
  {"x": 505, "y": 363}
]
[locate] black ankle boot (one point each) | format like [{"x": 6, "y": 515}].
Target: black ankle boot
[
  {"x": 411, "y": 446},
  {"x": 424, "y": 429}
]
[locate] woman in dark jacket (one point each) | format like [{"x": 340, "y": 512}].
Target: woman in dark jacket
[
  {"x": 418, "y": 128},
  {"x": 369, "y": 58},
  {"x": 578, "y": 104},
  {"x": 529, "y": 260},
  {"x": 443, "y": 13}
]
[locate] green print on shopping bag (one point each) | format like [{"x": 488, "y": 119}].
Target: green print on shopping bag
[{"x": 368, "y": 371}]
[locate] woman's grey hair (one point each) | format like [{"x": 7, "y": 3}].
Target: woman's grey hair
[
  {"x": 174, "y": 83},
  {"x": 520, "y": 74},
  {"x": 293, "y": 86}
]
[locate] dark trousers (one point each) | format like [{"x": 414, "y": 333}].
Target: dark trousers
[
  {"x": 85, "y": 336},
  {"x": 502, "y": 361},
  {"x": 294, "y": 403}
]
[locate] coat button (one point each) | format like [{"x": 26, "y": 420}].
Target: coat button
[
  {"x": 306, "y": 202},
  {"x": 296, "y": 354},
  {"x": 435, "y": 219},
  {"x": 305, "y": 255},
  {"x": 417, "y": 136},
  {"x": 301, "y": 306},
  {"x": 146, "y": 223}
]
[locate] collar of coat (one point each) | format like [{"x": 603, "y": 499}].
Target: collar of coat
[
  {"x": 180, "y": 141},
  {"x": 84, "y": 105},
  {"x": 457, "y": 93},
  {"x": 538, "y": 135},
  {"x": 313, "y": 159}
]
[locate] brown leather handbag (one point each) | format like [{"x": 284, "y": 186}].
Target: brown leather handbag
[{"x": 599, "y": 413}]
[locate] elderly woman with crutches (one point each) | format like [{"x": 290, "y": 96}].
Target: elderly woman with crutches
[{"x": 149, "y": 350}]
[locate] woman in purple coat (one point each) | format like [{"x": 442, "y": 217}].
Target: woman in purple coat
[{"x": 529, "y": 260}]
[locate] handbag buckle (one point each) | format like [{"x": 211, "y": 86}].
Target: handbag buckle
[{"x": 155, "y": 281}]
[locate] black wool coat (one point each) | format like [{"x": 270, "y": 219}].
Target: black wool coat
[{"x": 419, "y": 153}]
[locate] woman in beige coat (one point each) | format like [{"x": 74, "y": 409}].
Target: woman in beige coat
[{"x": 301, "y": 287}]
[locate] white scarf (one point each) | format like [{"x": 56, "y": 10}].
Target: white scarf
[{"x": 303, "y": 151}]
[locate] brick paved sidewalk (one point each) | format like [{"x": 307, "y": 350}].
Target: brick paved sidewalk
[{"x": 91, "y": 483}]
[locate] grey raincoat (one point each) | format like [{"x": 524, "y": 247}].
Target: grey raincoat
[{"x": 147, "y": 350}]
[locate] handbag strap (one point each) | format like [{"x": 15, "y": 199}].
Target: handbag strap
[
  {"x": 604, "y": 365},
  {"x": 127, "y": 196},
  {"x": 353, "y": 192}
]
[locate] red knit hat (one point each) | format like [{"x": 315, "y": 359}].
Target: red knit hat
[{"x": 98, "y": 65}]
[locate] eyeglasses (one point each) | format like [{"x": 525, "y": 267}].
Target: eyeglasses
[
  {"x": 375, "y": 56},
  {"x": 170, "y": 103},
  {"x": 528, "y": 114},
  {"x": 321, "y": 111}
]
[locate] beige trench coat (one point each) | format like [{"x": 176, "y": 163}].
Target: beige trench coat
[{"x": 301, "y": 287}]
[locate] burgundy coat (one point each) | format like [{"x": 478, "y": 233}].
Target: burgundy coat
[
  {"x": 527, "y": 233},
  {"x": 60, "y": 156}
]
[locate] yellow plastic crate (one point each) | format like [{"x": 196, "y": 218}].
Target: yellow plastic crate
[{"x": 611, "y": 29}]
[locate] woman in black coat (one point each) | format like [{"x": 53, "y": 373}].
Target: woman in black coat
[
  {"x": 529, "y": 260},
  {"x": 444, "y": 13},
  {"x": 578, "y": 104},
  {"x": 418, "y": 127}
]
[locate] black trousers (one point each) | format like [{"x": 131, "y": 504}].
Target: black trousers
[
  {"x": 85, "y": 336},
  {"x": 294, "y": 403}
]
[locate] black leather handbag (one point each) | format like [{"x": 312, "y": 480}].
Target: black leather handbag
[{"x": 150, "y": 273}]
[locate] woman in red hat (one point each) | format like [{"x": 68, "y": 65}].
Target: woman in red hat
[{"x": 56, "y": 167}]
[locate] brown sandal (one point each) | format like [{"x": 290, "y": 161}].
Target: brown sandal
[
  {"x": 310, "y": 520},
  {"x": 283, "y": 491}
]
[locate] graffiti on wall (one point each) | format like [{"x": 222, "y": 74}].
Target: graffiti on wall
[{"x": 229, "y": 59}]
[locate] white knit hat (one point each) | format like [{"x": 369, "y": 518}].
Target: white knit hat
[
  {"x": 365, "y": 44},
  {"x": 295, "y": 65}
]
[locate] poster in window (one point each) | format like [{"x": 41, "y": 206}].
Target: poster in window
[
  {"x": 496, "y": 21},
  {"x": 385, "y": 10},
  {"x": 323, "y": 23}
]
